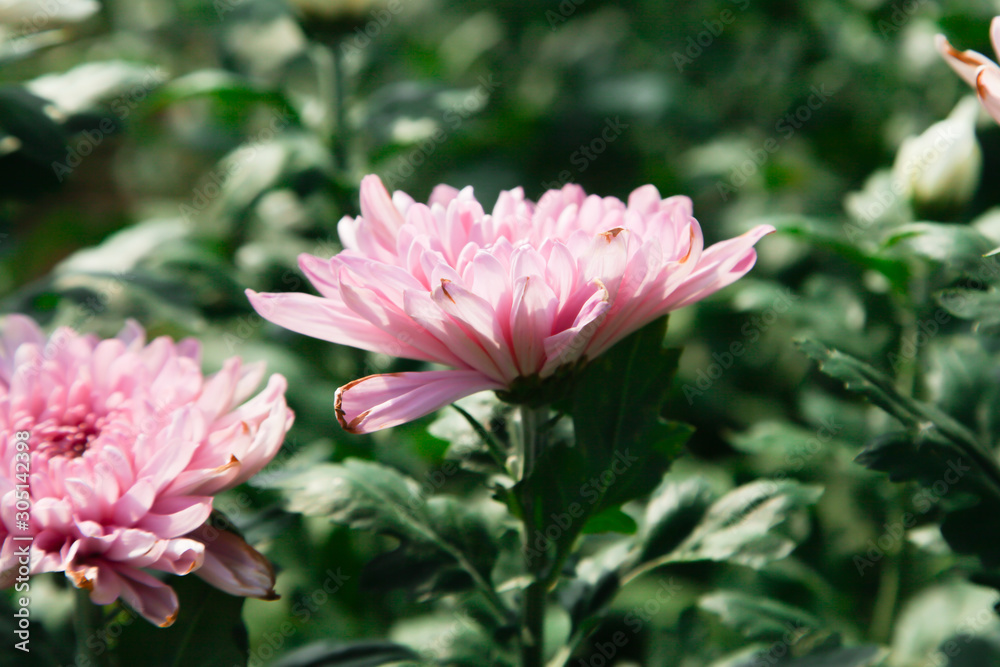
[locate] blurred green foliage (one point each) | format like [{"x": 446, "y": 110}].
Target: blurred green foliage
[{"x": 159, "y": 157}]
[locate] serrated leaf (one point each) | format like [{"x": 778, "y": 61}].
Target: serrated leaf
[
  {"x": 936, "y": 450},
  {"x": 880, "y": 390},
  {"x": 371, "y": 497},
  {"x": 674, "y": 510},
  {"x": 739, "y": 527},
  {"x": 758, "y": 617}
]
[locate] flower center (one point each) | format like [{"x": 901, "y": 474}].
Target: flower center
[{"x": 68, "y": 440}]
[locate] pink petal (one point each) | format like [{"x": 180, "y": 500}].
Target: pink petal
[
  {"x": 531, "y": 318},
  {"x": 180, "y": 556},
  {"x": 481, "y": 324},
  {"x": 173, "y": 517},
  {"x": 570, "y": 344},
  {"x": 965, "y": 63},
  {"x": 327, "y": 319},
  {"x": 233, "y": 566},
  {"x": 442, "y": 195},
  {"x": 379, "y": 211},
  {"x": 720, "y": 265},
  {"x": 381, "y": 401},
  {"x": 134, "y": 505},
  {"x": 644, "y": 200},
  {"x": 988, "y": 86},
  {"x": 995, "y": 34},
  {"x": 147, "y": 595}
]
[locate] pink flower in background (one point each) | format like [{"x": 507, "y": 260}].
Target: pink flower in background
[
  {"x": 519, "y": 293},
  {"x": 978, "y": 71},
  {"x": 128, "y": 443}
]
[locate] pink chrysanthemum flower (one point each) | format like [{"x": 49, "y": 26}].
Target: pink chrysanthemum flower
[
  {"x": 978, "y": 71},
  {"x": 506, "y": 299},
  {"x": 126, "y": 445}
]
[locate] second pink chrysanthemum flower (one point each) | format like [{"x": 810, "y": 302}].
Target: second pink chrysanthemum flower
[
  {"x": 111, "y": 453},
  {"x": 501, "y": 298}
]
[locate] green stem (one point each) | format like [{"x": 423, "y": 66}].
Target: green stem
[
  {"x": 88, "y": 619},
  {"x": 532, "y": 634},
  {"x": 529, "y": 447},
  {"x": 497, "y": 451}
]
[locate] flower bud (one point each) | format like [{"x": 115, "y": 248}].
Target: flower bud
[{"x": 941, "y": 167}]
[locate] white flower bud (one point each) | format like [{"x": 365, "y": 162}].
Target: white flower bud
[{"x": 941, "y": 167}]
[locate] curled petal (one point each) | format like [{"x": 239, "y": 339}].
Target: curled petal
[
  {"x": 380, "y": 401},
  {"x": 965, "y": 63},
  {"x": 988, "y": 88},
  {"x": 233, "y": 566}
]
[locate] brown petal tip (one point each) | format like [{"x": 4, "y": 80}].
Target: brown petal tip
[
  {"x": 444, "y": 288},
  {"x": 612, "y": 233}
]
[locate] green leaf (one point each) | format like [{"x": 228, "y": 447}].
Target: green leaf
[
  {"x": 981, "y": 307},
  {"x": 616, "y": 408},
  {"x": 611, "y": 520},
  {"x": 42, "y": 140},
  {"x": 223, "y": 86},
  {"x": 208, "y": 631},
  {"x": 880, "y": 390},
  {"x": 371, "y": 497},
  {"x": 618, "y": 397},
  {"x": 936, "y": 450},
  {"x": 895, "y": 270},
  {"x": 757, "y": 617},
  {"x": 971, "y": 651},
  {"x": 740, "y": 527},
  {"x": 674, "y": 510},
  {"x": 956, "y": 245},
  {"x": 358, "y": 654}
]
